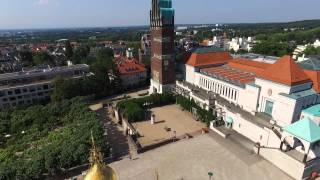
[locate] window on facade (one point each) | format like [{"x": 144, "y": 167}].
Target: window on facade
[
  {"x": 10, "y": 92},
  {"x": 269, "y": 107},
  {"x": 232, "y": 94},
  {"x": 17, "y": 91},
  {"x": 45, "y": 87},
  {"x": 25, "y": 90}
]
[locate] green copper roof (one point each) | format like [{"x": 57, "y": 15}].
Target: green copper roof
[
  {"x": 229, "y": 120},
  {"x": 167, "y": 12},
  {"x": 165, "y": 3},
  {"x": 305, "y": 129},
  {"x": 313, "y": 110}
]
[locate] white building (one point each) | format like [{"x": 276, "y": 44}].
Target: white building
[
  {"x": 34, "y": 86},
  {"x": 298, "y": 52},
  {"x": 316, "y": 43},
  {"x": 241, "y": 43},
  {"x": 264, "y": 102}
]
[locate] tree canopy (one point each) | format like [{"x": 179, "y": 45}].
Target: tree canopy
[
  {"x": 47, "y": 139},
  {"x": 311, "y": 50},
  {"x": 69, "y": 50},
  {"x": 43, "y": 58},
  {"x": 272, "y": 48}
]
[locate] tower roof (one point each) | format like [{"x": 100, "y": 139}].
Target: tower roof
[
  {"x": 305, "y": 129},
  {"x": 285, "y": 71},
  {"x": 98, "y": 170}
]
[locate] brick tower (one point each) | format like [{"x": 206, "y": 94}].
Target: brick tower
[{"x": 162, "y": 46}]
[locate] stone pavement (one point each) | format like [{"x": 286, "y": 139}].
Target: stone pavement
[
  {"x": 170, "y": 116},
  {"x": 192, "y": 160}
]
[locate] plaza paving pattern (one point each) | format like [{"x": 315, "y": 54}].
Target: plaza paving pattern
[
  {"x": 170, "y": 116},
  {"x": 192, "y": 160}
]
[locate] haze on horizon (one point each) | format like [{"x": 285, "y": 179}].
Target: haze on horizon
[{"x": 26, "y": 14}]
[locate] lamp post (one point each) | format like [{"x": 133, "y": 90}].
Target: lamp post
[
  {"x": 210, "y": 174},
  {"x": 174, "y": 136}
]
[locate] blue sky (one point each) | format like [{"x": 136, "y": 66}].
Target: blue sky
[{"x": 89, "y": 13}]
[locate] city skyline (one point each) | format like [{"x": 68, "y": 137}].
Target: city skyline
[{"x": 100, "y": 13}]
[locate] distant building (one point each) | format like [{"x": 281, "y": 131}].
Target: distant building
[
  {"x": 33, "y": 86},
  {"x": 131, "y": 72},
  {"x": 316, "y": 43},
  {"x": 241, "y": 44},
  {"x": 298, "y": 53},
  {"x": 129, "y": 53},
  {"x": 145, "y": 49}
]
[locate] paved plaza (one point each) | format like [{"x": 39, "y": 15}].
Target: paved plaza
[
  {"x": 170, "y": 116},
  {"x": 192, "y": 160}
]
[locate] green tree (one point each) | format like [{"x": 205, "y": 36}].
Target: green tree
[
  {"x": 272, "y": 48},
  {"x": 63, "y": 142},
  {"x": 43, "y": 58},
  {"x": 26, "y": 56},
  {"x": 311, "y": 50},
  {"x": 69, "y": 50},
  {"x": 60, "y": 89}
]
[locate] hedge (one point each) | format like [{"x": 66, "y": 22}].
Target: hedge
[
  {"x": 204, "y": 115},
  {"x": 134, "y": 109}
]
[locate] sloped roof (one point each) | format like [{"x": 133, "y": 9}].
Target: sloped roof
[
  {"x": 285, "y": 71},
  {"x": 313, "y": 110},
  {"x": 311, "y": 64},
  {"x": 305, "y": 129},
  {"x": 130, "y": 66},
  {"x": 208, "y": 58},
  {"x": 315, "y": 77},
  {"x": 249, "y": 65}
]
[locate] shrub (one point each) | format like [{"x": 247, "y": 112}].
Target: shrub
[
  {"x": 204, "y": 115},
  {"x": 133, "y": 109}
]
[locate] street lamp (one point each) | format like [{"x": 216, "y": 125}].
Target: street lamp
[
  {"x": 210, "y": 174},
  {"x": 174, "y": 135}
]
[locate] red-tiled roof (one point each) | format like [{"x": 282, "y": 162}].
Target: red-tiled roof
[
  {"x": 249, "y": 65},
  {"x": 209, "y": 58},
  {"x": 285, "y": 71},
  {"x": 230, "y": 74},
  {"x": 315, "y": 77},
  {"x": 129, "y": 66}
]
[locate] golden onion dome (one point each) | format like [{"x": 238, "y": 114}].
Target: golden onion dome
[{"x": 98, "y": 170}]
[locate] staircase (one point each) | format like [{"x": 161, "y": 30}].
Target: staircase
[{"x": 278, "y": 134}]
